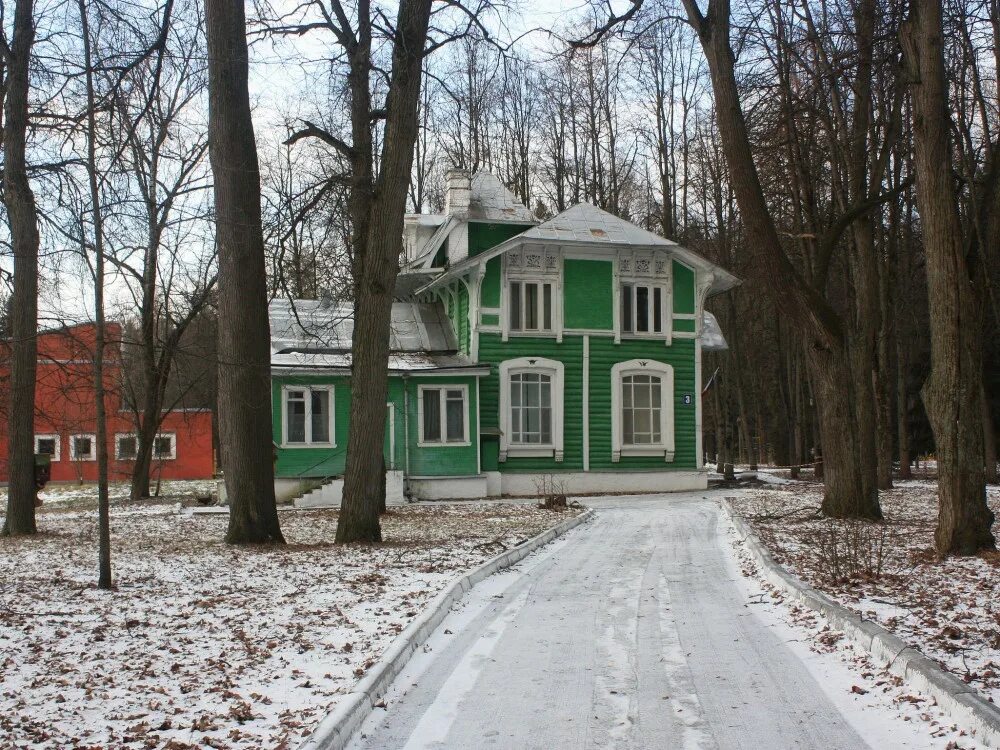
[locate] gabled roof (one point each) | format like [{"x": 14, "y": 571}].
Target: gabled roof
[
  {"x": 494, "y": 203},
  {"x": 585, "y": 225}
]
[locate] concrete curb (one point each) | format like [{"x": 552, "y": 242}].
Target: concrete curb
[
  {"x": 335, "y": 731},
  {"x": 962, "y": 702}
]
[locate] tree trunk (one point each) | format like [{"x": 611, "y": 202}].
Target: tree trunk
[
  {"x": 953, "y": 392},
  {"x": 989, "y": 444},
  {"x": 104, "y": 580},
  {"x": 902, "y": 413},
  {"x": 378, "y": 223},
  {"x": 22, "y": 216},
  {"x": 244, "y": 334},
  {"x": 848, "y": 494}
]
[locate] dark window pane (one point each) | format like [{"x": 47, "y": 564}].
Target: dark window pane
[
  {"x": 657, "y": 310},
  {"x": 642, "y": 309},
  {"x": 296, "y": 417},
  {"x": 320, "y": 417},
  {"x": 127, "y": 447},
  {"x": 47, "y": 446},
  {"x": 455, "y": 416},
  {"x": 81, "y": 447},
  {"x": 627, "y": 308},
  {"x": 163, "y": 446},
  {"x": 515, "y": 306},
  {"x": 531, "y": 307},
  {"x": 547, "y": 307},
  {"x": 432, "y": 416}
]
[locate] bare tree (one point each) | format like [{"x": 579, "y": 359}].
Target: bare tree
[
  {"x": 953, "y": 392},
  {"x": 244, "y": 333},
  {"x": 22, "y": 215}
]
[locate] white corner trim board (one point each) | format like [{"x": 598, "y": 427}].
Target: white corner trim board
[{"x": 338, "y": 727}]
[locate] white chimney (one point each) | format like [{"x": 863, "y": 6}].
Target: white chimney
[{"x": 459, "y": 192}]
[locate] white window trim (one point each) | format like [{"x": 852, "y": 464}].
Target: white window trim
[
  {"x": 643, "y": 367},
  {"x": 173, "y": 447},
  {"x": 49, "y": 436},
  {"x": 92, "y": 456},
  {"x": 332, "y": 443},
  {"x": 553, "y": 369},
  {"x": 666, "y": 309},
  {"x": 549, "y": 273},
  {"x": 442, "y": 442},
  {"x": 119, "y": 436}
]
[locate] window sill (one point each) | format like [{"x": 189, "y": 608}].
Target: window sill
[
  {"x": 650, "y": 452},
  {"x": 534, "y": 334},
  {"x": 422, "y": 444},
  {"x": 538, "y": 451},
  {"x": 295, "y": 446}
]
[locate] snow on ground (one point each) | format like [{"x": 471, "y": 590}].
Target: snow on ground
[
  {"x": 888, "y": 572},
  {"x": 206, "y": 645}
]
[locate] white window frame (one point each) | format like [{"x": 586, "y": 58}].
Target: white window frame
[
  {"x": 118, "y": 453},
  {"x": 332, "y": 443},
  {"x": 173, "y": 447},
  {"x": 553, "y": 300},
  {"x": 666, "y": 374},
  {"x": 49, "y": 436},
  {"x": 665, "y": 314},
  {"x": 92, "y": 456},
  {"x": 442, "y": 442},
  {"x": 555, "y": 370}
]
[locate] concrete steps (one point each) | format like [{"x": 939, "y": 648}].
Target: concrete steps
[{"x": 331, "y": 494}]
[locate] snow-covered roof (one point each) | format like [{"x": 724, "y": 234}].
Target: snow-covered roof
[
  {"x": 712, "y": 339},
  {"x": 494, "y": 203},
  {"x": 587, "y": 224},
  {"x": 400, "y": 362},
  {"x": 321, "y": 327}
]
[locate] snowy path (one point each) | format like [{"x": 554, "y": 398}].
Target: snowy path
[{"x": 633, "y": 633}]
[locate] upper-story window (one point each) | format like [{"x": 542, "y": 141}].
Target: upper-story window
[
  {"x": 530, "y": 306},
  {"x": 643, "y": 308},
  {"x": 531, "y": 292},
  {"x": 48, "y": 445}
]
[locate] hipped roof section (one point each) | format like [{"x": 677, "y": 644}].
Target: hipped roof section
[{"x": 585, "y": 225}]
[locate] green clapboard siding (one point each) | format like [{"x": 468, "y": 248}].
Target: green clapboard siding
[
  {"x": 489, "y": 319},
  {"x": 588, "y": 294},
  {"x": 328, "y": 462},
  {"x": 445, "y": 460},
  {"x": 457, "y": 307},
  {"x": 684, "y": 324},
  {"x": 683, "y": 288},
  {"x": 489, "y": 290},
  {"x": 483, "y": 236},
  {"x": 603, "y": 354}
]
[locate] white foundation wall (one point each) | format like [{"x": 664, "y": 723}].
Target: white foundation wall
[
  {"x": 586, "y": 482},
  {"x": 448, "y": 488}
]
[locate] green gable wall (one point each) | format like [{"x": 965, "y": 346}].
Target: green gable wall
[
  {"x": 683, "y": 288},
  {"x": 457, "y": 307},
  {"x": 588, "y": 294},
  {"x": 489, "y": 290},
  {"x": 483, "y": 236}
]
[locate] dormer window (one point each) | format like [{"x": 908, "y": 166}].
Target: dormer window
[{"x": 530, "y": 306}]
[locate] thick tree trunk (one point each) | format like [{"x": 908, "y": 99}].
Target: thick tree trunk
[
  {"x": 244, "y": 333},
  {"x": 953, "y": 392},
  {"x": 22, "y": 216},
  {"x": 848, "y": 494},
  {"x": 902, "y": 413},
  {"x": 378, "y": 218},
  {"x": 989, "y": 444}
]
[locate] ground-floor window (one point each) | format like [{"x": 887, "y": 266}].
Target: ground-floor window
[
  {"x": 164, "y": 447},
  {"x": 444, "y": 415},
  {"x": 642, "y": 405},
  {"x": 308, "y": 414},
  {"x": 531, "y": 408},
  {"x": 126, "y": 447},
  {"x": 82, "y": 448},
  {"x": 47, "y": 445}
]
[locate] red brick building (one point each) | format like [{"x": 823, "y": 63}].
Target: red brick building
[{"x": 65, "y": 422}]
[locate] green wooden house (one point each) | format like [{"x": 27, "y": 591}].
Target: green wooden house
[{"x": 565, "y": 353}]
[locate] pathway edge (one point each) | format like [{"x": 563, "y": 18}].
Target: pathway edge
[
  {"x": 963, "y": 703},
  {"x": 338, "y": 727}
]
